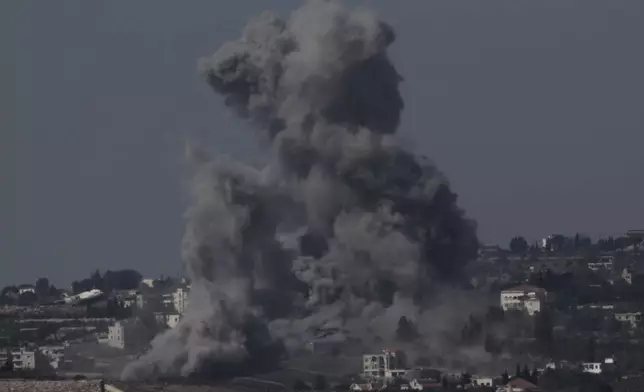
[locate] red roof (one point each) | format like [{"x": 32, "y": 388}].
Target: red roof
[{"x": 521, "y": 383}]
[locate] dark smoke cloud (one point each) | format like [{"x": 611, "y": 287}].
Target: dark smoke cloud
[{"x": 377, "y": 228}]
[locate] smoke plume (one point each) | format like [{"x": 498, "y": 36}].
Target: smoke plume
[{"x": 373, "y": 229}]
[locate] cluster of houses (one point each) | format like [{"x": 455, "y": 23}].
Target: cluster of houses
[
  {"x": 34, "y": 358},
  {"x": 170, "y": 305},
  {"x": 385, "y": 370},
  {"x": 167, "y": 304}
]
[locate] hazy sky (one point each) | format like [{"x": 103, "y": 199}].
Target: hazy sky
[{"x": 534, "y": 109}]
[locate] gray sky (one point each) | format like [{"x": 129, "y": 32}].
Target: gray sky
[{"x": 534, "y": 109}]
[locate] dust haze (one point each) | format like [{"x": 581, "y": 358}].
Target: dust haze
[{"x": 343, "y": 229}]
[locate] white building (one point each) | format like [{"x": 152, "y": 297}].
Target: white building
[
  {"x": 598, "y": 367},
  {"x": 125, "y": 334},
  {"x": 421, "y": 385},
  {"x": 483, "y": 381},
  {"x": 592, "y": 367},
  {"x": 601, "y": 265},
  {"x": 526, "y": 298},
  {"x": 180, "y": 299},
  {"x": 362, "y": 387},
  {"x": 632, "y": 319},
  {"x": 173, "y": 320},
  {"x": 22, "y": 358},
  {"x": 140, "y": 301},
  {"x": 129, "y": 302},
  {"x": 26, "y": 288},
  {"x": 169, "y": 319},
  {"x": 148, "y": 282},
  {"x": 386, "y": 365}
]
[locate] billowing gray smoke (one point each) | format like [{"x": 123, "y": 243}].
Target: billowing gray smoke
[{"x": 375, "y": 228}]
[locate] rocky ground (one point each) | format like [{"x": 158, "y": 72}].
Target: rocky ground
[{"x": 48, "y": 386}]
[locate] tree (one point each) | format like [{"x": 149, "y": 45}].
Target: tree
[
  {"x": 543, "y": 326},
  {"x": 42, "y": 288},
  {"x": 122, "y": 280},
  {"x": 534, "y": 376},
  {"x": 518, "y": 245},
  {"x": 320, "y": 383},
  {"x": 525, "y": 374},
  {"x": 505, "y": 377},
  {"x": 590, "y": 350},
  {"x": 96, "y": 280},
  {"x": 556, "y": 242},
  {"x": 81, "y": 286},
  {"x": 517, "y": 372},
  {"x": 76, "y": 287},
  {"x": 9, "y": 295}
]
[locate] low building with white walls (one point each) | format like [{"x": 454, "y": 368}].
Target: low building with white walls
[
  {"x": 362, "y": 387},
  {"x": 422, "y": 385},
  {"x": 23, "y": 358},
  {"x": 148, "y": 282},
  {"x": 592, "y": 367},
  {"x": 598, "y": 367},
  {"x": 26, "y": 288},
  {"x": 632, "y": 319},
  {"x": 169, "y": 319},
  {"x": 529, "y": 299}
]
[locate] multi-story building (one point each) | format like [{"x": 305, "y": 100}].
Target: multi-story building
[
  {"x": 167, "y": 300},
  {"x": 386, "y": 365},
  {"x": 527, "y": 298},
  {"x": 141, "y": 301},
  {"x": 180, "y": 299},
  {"x": 125, "y": 334}
]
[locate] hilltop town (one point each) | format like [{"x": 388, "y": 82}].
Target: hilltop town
[{"x": 560, "y": 312}]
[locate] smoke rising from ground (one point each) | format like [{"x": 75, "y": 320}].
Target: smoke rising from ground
[{"x": 376, "y": 229}]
